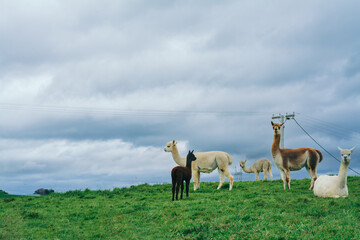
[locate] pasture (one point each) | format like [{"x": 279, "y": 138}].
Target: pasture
[{"x": 252, "y": 210}]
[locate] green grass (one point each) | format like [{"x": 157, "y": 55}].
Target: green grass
[{"x": 252, "y": 210}]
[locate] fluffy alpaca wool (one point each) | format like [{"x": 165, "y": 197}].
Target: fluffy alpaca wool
[
  {"x": 261, "y": 165},
  {"x": 335, "y": 186}
]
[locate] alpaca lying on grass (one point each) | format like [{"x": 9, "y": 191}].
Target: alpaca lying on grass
[
  {"x": 206, "y": 162},
  {"x": 335, "y": 186},
  {"x": 262, "y": 165},
  {"x": 180, "y": 174}
]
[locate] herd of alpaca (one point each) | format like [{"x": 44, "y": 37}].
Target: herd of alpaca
[{"x": 285, "y": 159}]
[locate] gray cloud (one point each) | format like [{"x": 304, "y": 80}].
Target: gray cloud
[{"x": 133, "y": 75}]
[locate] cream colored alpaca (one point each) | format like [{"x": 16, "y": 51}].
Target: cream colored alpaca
[
  {"x": 335, "y": 186},
  {"x": 205, "y": 162},
  {"x": 261, "y": 165}
]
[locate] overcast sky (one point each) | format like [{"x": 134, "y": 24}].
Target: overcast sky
[{"x": 91, "y": 91}]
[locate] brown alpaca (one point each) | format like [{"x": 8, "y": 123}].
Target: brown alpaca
[
  {"x": 294, "y": 159},
  {"x": 180, "y": 174}
]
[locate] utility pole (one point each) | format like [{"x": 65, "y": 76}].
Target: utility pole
[{"x": 283, "y": 118}]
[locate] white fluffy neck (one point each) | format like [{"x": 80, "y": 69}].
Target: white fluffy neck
[
  {"x": 343, "y": 174},
  {"x": 177, "y": 158},
  {"x": 247, "y": 170}
]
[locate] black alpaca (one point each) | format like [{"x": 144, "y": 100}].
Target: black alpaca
[{"x": 180, "y": 174}]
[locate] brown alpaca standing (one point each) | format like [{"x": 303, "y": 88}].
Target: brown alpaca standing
[
  {"x": 180, "y": 174},
  {"x": 294, "y": 159}
]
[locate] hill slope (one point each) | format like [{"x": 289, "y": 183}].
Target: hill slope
[{"x": 252, "y": 210}]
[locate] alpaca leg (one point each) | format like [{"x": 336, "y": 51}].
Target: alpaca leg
[
  {"x": 195, "y": 177},
  {"x": 313, "y": 178},
  {"x": 287, "y": 177},
  {"x": 312, "y": 162},
  {"x": 177, "y": 190},
  {"x": 282, "y": 174},
  {"x": 270, "y": 174},
  {"x": 230, "y": 177},
  {"x": 313, "y": 175},
  {"x": 198, "y": 182},
  {"x": 265, "y": 173},
  {"x": 187, "y": 188},
  {"x": 308, "y": 170},
  {"x": 256, "y": 176},
  {"x": 222, "y": 178},
  {"x": 182, "y": 189},
  {"x": 173, "y": 191},
  {"x": 173, "y": 182}
]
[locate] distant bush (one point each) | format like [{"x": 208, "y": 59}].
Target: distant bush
[
  {"x": 43, "y": 191},
  {"x": 3, "y": 192}
]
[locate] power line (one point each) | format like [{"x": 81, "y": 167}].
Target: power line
[
  {"x": 121, "y": 112},
  {"x": 329, "y": 128},
  {"x": 322, "y": 146},
  {"x": 327, "y": 124}
]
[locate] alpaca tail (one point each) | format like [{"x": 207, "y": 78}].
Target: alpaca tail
[
  {"x": 320, "y": 154},
  {"x": 229, "y": 158}
]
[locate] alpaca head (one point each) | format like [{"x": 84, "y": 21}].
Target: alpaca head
[
  {"x": 169, "y": 146},
  {"x": 242, "y": 163},
  {"x": 190, "y": 158},
  {"x": 345, "y": 155},
  {"x": 277, "y": 128}
]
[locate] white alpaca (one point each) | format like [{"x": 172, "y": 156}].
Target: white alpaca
[
  {"x": 261, "y": 165},
  {"x": 335, "y": 186},
  {"x": 205, "y": 162}
]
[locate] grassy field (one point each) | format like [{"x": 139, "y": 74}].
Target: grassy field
[{"x": 252, "y": 210}]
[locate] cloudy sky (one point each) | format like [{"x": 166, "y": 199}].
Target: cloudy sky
[{"x": 91, "y": 91}]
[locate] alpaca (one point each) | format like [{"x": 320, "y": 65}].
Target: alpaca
[
  {"x": 335, "y": 186},
  {"x": 206, "y": 162},
  {"x": 180, "y": 174},
  {"x": 262, "y": 165},
  {"x": 294, "y": 159}
]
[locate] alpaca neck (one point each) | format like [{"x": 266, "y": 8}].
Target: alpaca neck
[
  {"x": 177, "y": 158},
  {"x": 189, "y": 167},
  {"x": 247, "y": 170},
  {"x": 188, "y": 163},
  {"x": 343, "y": 174},
  {"x": 275, "y": 147}
]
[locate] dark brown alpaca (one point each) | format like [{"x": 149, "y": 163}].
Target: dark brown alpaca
[
  {"x": 180, "y": 174},
  {"x": 287, "y": 159}
]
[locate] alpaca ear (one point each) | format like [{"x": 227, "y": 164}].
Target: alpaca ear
[
  {"x": 272, "y": 123},
  {"x": 352, "y": 149},
  {"x": 282, "y": 124},
  {"x": 340, "y": 148},
  {"x": 192, "y": 151}
]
